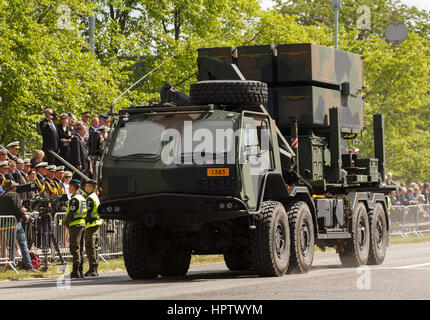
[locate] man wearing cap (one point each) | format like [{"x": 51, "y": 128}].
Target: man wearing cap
[
  {"x": 49, "y": 135},
  {"x": 92, "y": 228},
  {"x": 13, "y": 148},
  {"x": 50, "y": 184},
  {"x": 104, "y": 120},
  {"x": 40, "y": 178},
  {"x": 4, "y": 168},
  {"x": 11, "y": 204},
  {"x": 58, "y": 180},
  {"x": 27, "y": 166},
  {"x": 75, "y": 220}
]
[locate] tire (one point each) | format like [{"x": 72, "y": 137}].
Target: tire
[
  {"x": 176, "y": 263},
  {"x": 270, "y": 241},
  {"x": 238, "y": 261},
  {"x": 229, "y": 92},
  {"x": 356, "y": 249},
  {"x": 302, "y": 237},
  {"x": 140, "y": 260},
  {"x": 378, "y": 235}
]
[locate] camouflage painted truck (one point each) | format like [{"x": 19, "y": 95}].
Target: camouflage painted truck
[{"x": 279, "y": 181}]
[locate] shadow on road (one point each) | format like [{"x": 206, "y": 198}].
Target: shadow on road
[{"x": 123, "y": 279}]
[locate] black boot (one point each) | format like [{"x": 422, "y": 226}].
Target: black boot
[
  {"x": 75, "y": 271},
  {"x": 81, "y": 270},
  {"x": 92, "y": 272}
]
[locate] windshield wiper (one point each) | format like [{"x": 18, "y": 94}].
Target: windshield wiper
[{"x": 134, "y": 155}]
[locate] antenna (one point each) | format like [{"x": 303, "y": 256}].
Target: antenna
[
  {"x": 336, "y": 5},
  {"x": 111, "y": 113}
]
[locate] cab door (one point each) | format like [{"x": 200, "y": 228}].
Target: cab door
[{"x": 254, "y": 160}]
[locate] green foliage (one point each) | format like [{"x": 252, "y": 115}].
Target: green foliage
[{"x": 44, "y": 66}]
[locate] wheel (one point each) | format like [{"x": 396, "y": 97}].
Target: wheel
[
  {"x": 141, "y": 261},
  {"x": 356, "y": 249},
  {"x": 302, "y": 237},
  {"x": 229, "y": 92},
  {"x": 270, "y": 241},
  {"x": 378, "y": 235},
  {"x": 176, "y": 263},
  {"x": 238, "y": 261}
]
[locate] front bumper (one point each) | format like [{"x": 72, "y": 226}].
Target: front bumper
[{"x": 179, "y": 212}]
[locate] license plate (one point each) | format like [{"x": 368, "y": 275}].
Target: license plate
[{"x": 218, "y": 172}]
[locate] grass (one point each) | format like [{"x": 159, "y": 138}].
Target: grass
[{"x": 6, "y": 273}]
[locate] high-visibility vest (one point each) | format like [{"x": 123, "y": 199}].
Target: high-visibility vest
[
  {"x": 93, "y": 215},
  {"x": 80, "y": 214}
]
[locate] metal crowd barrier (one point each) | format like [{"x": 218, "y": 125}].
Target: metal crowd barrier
[
  {"x": 110, "y": 238},
  {"x": 407, "y": 220},
  {"x": 8, "y": 241},
  {"x": 110, "y": 243}
]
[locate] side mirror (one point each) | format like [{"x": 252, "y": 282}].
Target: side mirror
[{"x": 264, "y": 136}]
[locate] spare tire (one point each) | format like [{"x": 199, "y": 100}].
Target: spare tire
[{"x": 229, "y": 92}]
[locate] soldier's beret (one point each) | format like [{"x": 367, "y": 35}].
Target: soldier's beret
[{"x": 75, "y": 181}]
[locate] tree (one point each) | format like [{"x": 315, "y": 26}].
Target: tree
[
  {"x": 382, "y": 12},
  {"x": 44, "y": 66}
]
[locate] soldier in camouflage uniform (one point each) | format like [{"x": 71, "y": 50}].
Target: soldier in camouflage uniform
[
  {"x": 92, "y": 228},
  {"x": 75, "y": 220}
]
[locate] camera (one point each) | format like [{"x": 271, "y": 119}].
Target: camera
[{"x": 26, "y": 187}]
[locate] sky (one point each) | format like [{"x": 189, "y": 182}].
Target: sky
[{"x": 420, "y": 4}]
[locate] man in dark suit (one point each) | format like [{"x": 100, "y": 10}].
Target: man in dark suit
[
  {"x": 78, "y": 150},
  {"x": 49, "y": 135}
]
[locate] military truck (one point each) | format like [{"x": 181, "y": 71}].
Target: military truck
[{"x": 253, "y": 165}]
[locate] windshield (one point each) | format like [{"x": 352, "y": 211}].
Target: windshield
[
  {"x": 138, "y": 138},
  {"x": 179, "y": 134}
]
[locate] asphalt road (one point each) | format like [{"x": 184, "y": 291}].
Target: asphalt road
[{"x": 405, "y": 274}]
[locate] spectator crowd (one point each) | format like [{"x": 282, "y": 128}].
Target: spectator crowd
[
  {"x": 80, "y": 143},
  {"x": 414, "y": 194},
  {"x": 44, "y": 176}
]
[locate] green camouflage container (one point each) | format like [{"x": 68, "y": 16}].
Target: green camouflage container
[
  {"x": 313, "y": 63},
  {"x": 257, "y": 62},
  {"x": 311, "y": 104},
  {"x": 226, "y": 54}
]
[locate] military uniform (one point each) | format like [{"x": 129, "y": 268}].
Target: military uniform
[
  {"x": 75, "y": 219},
  {"x": 92, "y": 233},
  {"x": 3, "y": 178},
  {"x": 51, "y": 187},
  {"x": 40, "y": 180}
]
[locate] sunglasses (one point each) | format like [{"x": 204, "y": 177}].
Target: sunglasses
[
  {"x": 3, "y": 154},
  {"x": 67, "y": 177}
]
